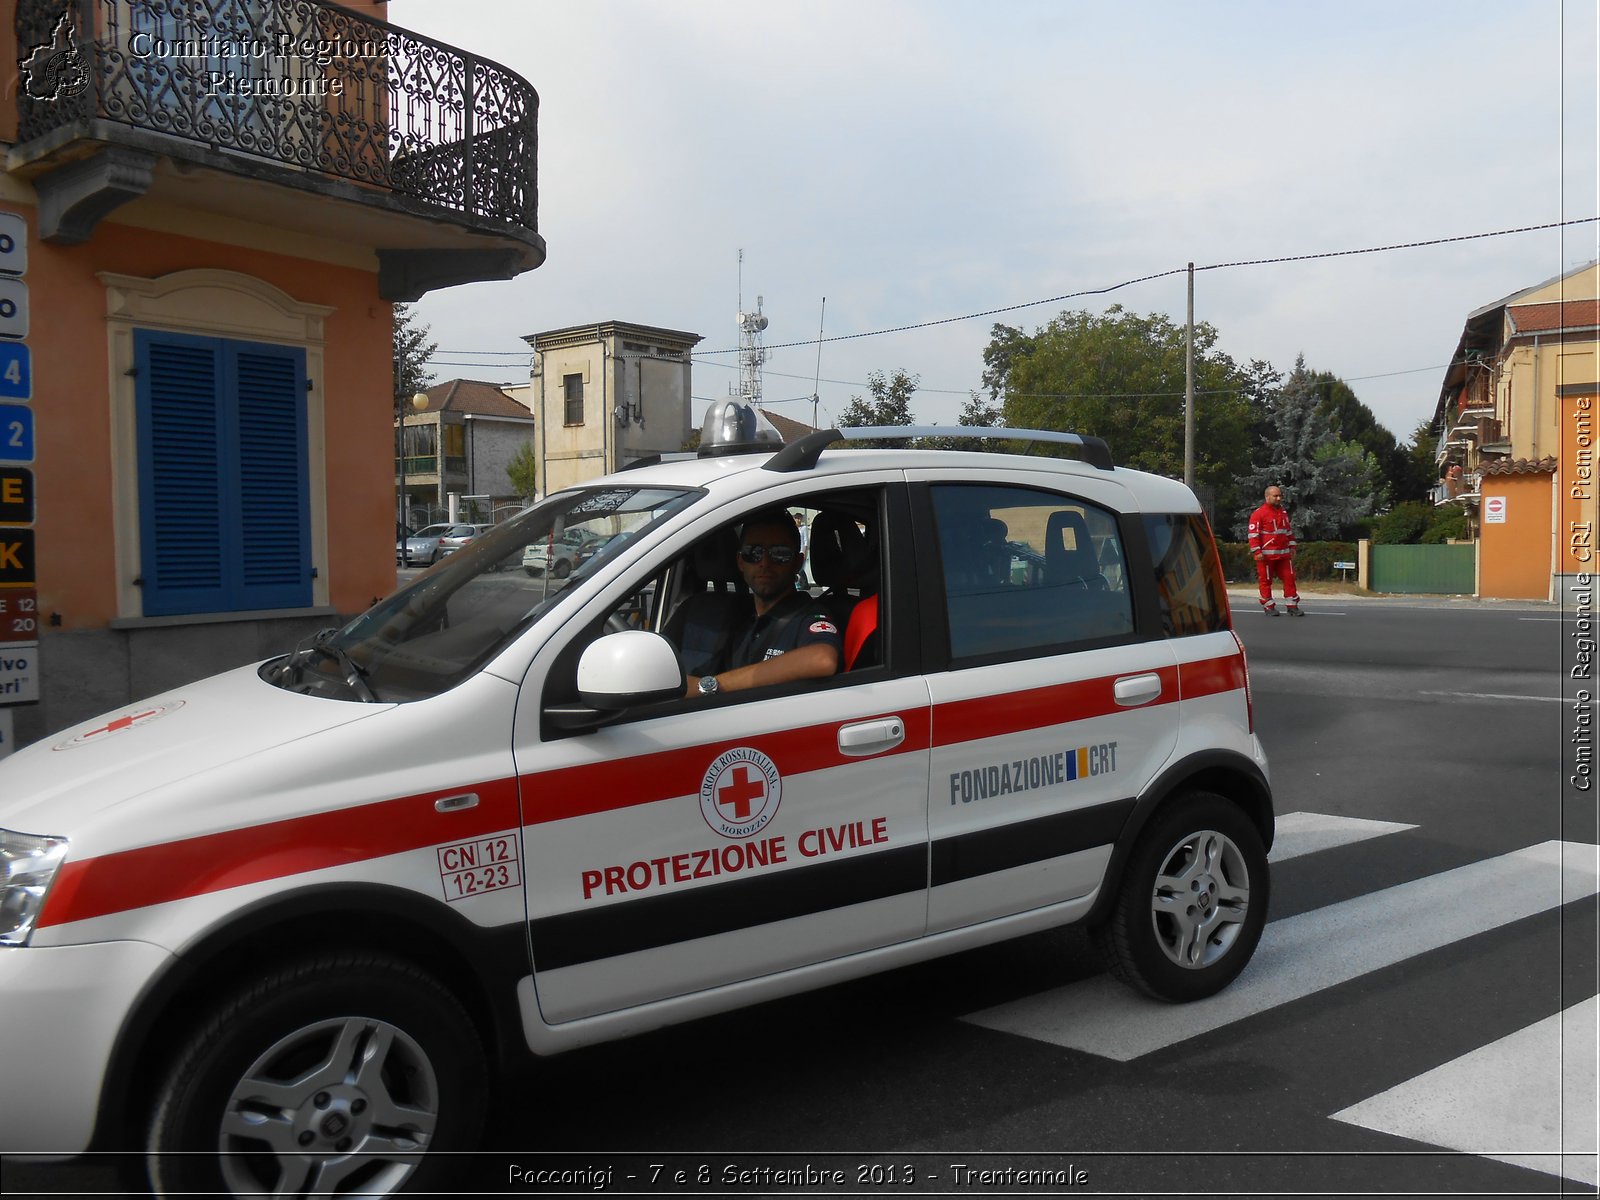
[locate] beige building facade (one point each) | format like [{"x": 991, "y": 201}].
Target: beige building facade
[
  {"x": 607, "y": 395},
  {"x": 1519, "y": 415}
]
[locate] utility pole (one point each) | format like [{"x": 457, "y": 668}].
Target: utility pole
[{"x": 1188, "y": 391}]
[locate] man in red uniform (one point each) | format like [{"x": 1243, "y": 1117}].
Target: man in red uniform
[{"x": 1272, "y": 546}]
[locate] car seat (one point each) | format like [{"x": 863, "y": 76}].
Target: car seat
[
  {"x": 844, "y": 559},
  {"x": 701, "y": 622}
]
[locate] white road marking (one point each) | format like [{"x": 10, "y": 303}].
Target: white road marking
[
  {"x": 1527, "y": 1099},
  {"x": 1304, "y": 954},
  {"x": 1493, "y": 696},
  {"x": 1304, "y": 833}
]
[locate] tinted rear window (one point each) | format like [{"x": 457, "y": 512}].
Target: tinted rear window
[{"x": 1194, "y": 596}]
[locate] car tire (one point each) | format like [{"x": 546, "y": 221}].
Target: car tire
[
  {"x": 1191, "y": 903},
  {"x": 562, "y": 569},
  {"x": 336, "y": 1074}
]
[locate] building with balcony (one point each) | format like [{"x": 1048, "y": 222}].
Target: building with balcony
[
  {"x": 608, "y": 395},
  {"x": 460, "y": 445},
  {"x": 219, "y": 203},
  {"x": 1516, "y": 417}
]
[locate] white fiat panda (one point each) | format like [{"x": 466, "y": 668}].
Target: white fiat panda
[{"x": 287, "y": 916}]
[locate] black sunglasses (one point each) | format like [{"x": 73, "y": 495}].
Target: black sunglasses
[{"x": 782, "y": 555}]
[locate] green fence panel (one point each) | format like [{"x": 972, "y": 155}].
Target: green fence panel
[{"x": 1440, "y": 570}]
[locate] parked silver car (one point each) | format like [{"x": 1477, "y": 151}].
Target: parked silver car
[
  {"x": 429, "y": 544},
  {"x": 559, "y": 553},
  {"x": 459, "y": 536}
]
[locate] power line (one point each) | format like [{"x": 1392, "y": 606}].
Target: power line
[
  {"x": 699, "y": 358},
  {"x": 1467, "y": 237}
]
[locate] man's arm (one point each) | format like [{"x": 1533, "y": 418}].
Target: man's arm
[{"x": 816, "y": 661}]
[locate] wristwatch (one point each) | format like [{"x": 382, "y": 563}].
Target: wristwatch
[{"x": 708, "y": 685}]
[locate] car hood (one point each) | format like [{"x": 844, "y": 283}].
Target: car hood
[{"x": 60, "y": 784}]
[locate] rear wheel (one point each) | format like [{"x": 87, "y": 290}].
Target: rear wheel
[
  {"x": 341, "y": 1075},
  {"x": 1191, "y": 903}
]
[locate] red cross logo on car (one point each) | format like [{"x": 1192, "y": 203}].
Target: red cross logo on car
[
  {"x": 740, "y": 792},
  {"x": 122, "y": 724},
  {"x": 742, "y": 787}
]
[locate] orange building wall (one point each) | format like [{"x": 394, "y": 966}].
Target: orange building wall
[
  {"x": 1579, "y": 485},
  {"x": 1514, "y": 558},
  {"x": 72, "y": 470}
]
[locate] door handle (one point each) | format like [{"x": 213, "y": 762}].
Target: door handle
[
  {"x": 1133, "y": 690},
  {"x": 871, "y": 737}
]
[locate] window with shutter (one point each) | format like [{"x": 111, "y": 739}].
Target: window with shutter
[{"x": 222, "y": 474}]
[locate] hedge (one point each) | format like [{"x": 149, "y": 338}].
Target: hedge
[{"x": 1313, "y": 561}]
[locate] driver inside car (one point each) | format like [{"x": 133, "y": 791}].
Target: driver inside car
[{"x": 786, "y": 635}]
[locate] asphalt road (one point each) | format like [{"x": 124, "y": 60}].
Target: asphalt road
[{"x": 1401, "y": 1029}]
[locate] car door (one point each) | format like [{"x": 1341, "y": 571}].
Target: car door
[
  {"x": 1056, "y": 706},
  {"x": 704, "y": 842}
]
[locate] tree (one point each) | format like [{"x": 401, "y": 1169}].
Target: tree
[
  {"x": 1355, "y": 422},
  {"x": 1328, "y": 483},
  {"x": 523, "y": 471},
  {"x": 412, "y": 350},
  {"x": 1120, "y": 376},
  {"x": 1422, "y": 455},
  {"x": 890, "y": 404},
  {"x": 977, "y": 415}
]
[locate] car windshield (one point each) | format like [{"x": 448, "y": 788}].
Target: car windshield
[
  {"x": 430, "y": 635},
  {"x": 432, "y": 531}
]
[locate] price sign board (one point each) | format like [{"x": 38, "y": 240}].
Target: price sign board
[
  {"x": 17, "y": 563},
  {"x": 16, "y": 371},
  {"x": 13, "y": 308},
  {"x": 19, "y": 672},
  {"x": 16, "y": 496},
  {"x": 19, "y": 615},
  {"x": 13, "y": 244},
  {"x": 16, "y": 434}
]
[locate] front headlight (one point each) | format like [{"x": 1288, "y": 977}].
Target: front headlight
[{"x": 27, "y": 865}]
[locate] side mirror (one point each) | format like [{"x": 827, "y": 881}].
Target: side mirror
[{"x": 617, "y": 672}]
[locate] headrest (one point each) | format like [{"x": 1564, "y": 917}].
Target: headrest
[
  {"x": 715, "y": 559},
  {"x": 1069, "y": 564}
]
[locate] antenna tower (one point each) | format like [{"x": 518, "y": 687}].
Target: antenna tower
[{"x": 751, "y": 352}]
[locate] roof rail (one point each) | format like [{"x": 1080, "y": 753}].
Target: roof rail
[{"x": 802, "y": 454}]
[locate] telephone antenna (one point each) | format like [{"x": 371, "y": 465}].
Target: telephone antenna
[{"x": 752, "y": 354}]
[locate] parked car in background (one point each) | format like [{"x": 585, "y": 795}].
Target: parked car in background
[
  {"x": 421, "y": 548},
  {"x": 459, "y": 536},
  {"x": 559, "y": 553}
]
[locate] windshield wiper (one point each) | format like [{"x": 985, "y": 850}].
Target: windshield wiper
[{"x": 354, "y": 677}]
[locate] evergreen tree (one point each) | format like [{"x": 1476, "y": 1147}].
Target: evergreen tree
[
  {"x": 412, "y": 350},
  {"x": 1329, "y": 485}
]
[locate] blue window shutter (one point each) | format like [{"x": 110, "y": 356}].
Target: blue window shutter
[
  {"x": 180, "y": 473},
  {"x": 222, "y": 474},
  {"x": 273, "y": 545}
]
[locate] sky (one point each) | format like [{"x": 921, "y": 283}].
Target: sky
[{"x": 890, "y": 163}]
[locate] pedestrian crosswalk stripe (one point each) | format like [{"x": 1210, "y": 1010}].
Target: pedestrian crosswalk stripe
[
  {"x": 1304, "y": 833},
  {"x": 1527, "y": 1099},
  {"x": 1304, "y": 954}
]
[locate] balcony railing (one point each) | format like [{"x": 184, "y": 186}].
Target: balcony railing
[
  {"x": 428, "y": 464},
  {"x": 300, "y": 83}
]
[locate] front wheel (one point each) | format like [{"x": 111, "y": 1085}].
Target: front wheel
[
  {"x": 339, "y": 1075},
  {"x": 1192, "y": 902}
]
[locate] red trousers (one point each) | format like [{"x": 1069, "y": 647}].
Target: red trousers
[{"x": 1283, "y": 568}]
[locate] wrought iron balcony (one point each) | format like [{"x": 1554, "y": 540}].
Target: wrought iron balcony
[{"x": 291, "y": 91}]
